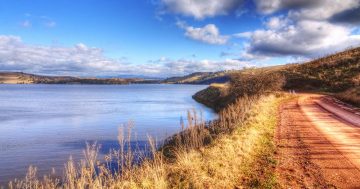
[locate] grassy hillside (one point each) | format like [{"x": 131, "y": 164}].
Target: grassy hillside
[
  {"x": 200, "y": 78},
  {"x": 24, "y": 78},
  {"x": 15, "y": 78},
  {"x": 334, "y": 73},
  {"x": 338, "y": 73}
]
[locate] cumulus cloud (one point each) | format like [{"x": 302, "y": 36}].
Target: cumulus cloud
[
  {"x": 277, "y": 23},
  {"x": 184, "y": 66},
  {"x": 308, "y": 28},
  {"x": 200, "y": 9},
  {"x": 176, "y": 67},
  {"x": 208, "y": 34},
  {"x": 351, "y": 16},
  {"x": 344, "y": 10},
  {"x": 324, "y": 10},
  {"x": 16, "y": 55},
  {"x": 305, "y": 38},
  {"x": 271, "y": 6},
  {"x": 82, "y": 60}
]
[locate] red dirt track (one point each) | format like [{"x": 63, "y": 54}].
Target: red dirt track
[{"x": 318, "y": 143}]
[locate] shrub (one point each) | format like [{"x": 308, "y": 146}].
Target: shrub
[{"x": 256, "y": 83}]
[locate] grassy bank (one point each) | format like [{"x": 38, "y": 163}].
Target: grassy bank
[{"x": 243, "y": 158}]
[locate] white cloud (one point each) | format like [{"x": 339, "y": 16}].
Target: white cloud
[
  {"x": 200, "y": 9},
  {"x": 208, "y": 34},
  {"x": 324, "y": 10},
  {"x": 305, "y": 38},
  {"x": 304, "y": 30},
  {"x": 184, "y": 66},
  {"x": 18, "y": 56},
  {"x": 82, "y": 60},
  {"x": 307, "y": 9},
  {"x": 277, "y": 23},
  {"x": 271, "y": 6}
]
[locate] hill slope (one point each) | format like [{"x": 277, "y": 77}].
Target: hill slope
[
  {"x": 334, "y": 73},
  {"x": 200, "y": 78},
  {"x": 16, "y": 78}
]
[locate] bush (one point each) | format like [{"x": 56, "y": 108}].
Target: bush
[{"x": 256, "y": 83}]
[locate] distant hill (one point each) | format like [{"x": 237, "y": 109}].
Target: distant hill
[
  {"x": 24, "y": 78},
  {"x": 200, "y": 78}
]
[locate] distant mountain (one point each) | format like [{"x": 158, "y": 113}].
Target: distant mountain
[
  {"x": 24, "y": 78},
  {"x": 194, "y": 78},
  {"x": 200, "y": 78}
]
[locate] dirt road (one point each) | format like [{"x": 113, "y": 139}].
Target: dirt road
[{"x": 318, "y": 143}]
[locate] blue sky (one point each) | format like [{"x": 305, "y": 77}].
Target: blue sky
[{"x": 169, "y": 37}]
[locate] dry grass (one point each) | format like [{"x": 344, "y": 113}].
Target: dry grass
[
  {"x": 15, "y": 78},
  {"x": 241, "y": 159},
  {"x": 333, "y": 73},
  {"x": 351, "y": 96}
]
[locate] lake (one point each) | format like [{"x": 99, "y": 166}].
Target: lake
[{"x": 42, "y": 125}]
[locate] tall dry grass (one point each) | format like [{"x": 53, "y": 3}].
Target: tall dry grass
[
  {"x": 243, "y": 158},
  {"x": 351, "y": 96}
]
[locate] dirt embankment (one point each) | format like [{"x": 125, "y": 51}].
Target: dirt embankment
[{"x": 318, "y": 144}]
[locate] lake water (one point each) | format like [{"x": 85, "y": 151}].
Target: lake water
[{"x": 42, "y": 125}]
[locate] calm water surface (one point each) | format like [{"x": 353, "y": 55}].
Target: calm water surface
[{"x": 43, "y": 125}]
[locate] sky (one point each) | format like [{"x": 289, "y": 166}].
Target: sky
[{"x": 163, "y": 38}]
